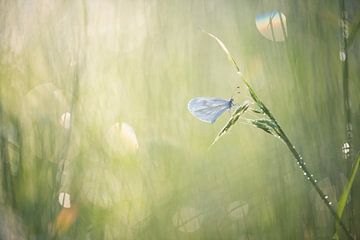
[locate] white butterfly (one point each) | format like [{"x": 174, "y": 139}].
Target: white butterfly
[{"x": 208, "y": 109}]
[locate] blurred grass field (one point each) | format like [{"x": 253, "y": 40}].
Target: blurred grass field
[{"x": 97, "y": 141}]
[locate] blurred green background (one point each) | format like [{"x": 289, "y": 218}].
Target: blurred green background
[{"x": 97, "y": 142}]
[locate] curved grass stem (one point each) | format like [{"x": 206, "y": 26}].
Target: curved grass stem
[
  {"x": 298, "y": 158},
  {"x": 313, "y": 181},
  {"x": 279, "y": 131}
]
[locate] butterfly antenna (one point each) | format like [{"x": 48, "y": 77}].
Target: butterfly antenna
[{"x": 236, "y": 91}]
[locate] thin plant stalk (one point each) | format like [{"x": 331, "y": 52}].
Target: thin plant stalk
[
  {"x": 346, "y": 193},
  {"x": 281, "y": 134},
  {"x": 346, "y": 101}
]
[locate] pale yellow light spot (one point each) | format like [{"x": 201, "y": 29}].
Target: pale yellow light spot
[
  {"x": 64, "y": 200},
  {"x": 122, "y": 138},
  {"x": 65, "y": 120},
  {"x": 237, "y": 210},
  {"x": 187, "y": 219}
]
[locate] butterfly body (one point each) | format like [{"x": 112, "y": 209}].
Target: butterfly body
[{"x": 208, "y": 109}]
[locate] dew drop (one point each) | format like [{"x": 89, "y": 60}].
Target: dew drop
[
  {"x": 342, "y": 56},
  {"x": 315, "y": 181},
  {"x": 346, "y": 148},
  {"x": 304, "y": 173},
  {"x": 326, "y": 196},
  {"x": 330, "y": 203},
  {"x": 308, "y": 178}
]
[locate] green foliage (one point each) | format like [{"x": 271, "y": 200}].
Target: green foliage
[
  {"x": 233, "y": 119},
  {"x": 138, "y": 62},
  {"x": 271, "y": 126},
  {"x": 266, "y": 125},
  {"x": 346, "y": 193}
]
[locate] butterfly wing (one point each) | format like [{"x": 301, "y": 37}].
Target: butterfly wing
[{"x": 208, "y": 109}]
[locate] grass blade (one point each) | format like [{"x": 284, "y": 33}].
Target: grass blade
[
  {"x": 234, "y": 118},
  {"x": 224, "y": 48},
  {"x": 345, "y": 194},
  {"x": 265, "y": 125}
]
